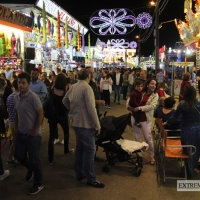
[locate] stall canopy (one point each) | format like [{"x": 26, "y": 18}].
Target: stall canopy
[{"x": 14, "y": 19}]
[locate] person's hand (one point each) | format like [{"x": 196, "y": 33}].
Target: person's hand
[
  {"x": 135, "y": 109},
  {"x": 98, "y": 132},
  {"x": 100, "y": 102},
  {"x": 130, "y": 109},
  {"x": 164, "y": 123},
  {"x": 33, "y": 133}
]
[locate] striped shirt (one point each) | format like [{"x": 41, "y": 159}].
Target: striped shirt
[{"x": 11, "y": 107}]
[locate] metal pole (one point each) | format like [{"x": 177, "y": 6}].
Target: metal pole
[{"x": 157, "y": 35}]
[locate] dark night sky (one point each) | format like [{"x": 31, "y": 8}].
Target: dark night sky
[{"x": 82, "y": 10}]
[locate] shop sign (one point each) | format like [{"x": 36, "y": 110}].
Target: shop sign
[
  {"x": 6, "y": 14},
  {"x": 53, "y": 9},
  {"x": 188, "y": 64}
]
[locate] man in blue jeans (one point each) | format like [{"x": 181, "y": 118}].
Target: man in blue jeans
[
  {"x": 29, "y": 116},
  {"x": 117, "y": 82},
  {"x": 80, "y": 102}
]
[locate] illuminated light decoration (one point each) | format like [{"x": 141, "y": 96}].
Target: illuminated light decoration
[
  {"x": 133, "y": 45},
  {"x": 144, "y": 20},
  {"x": 122, "y": 44},
  {"x": 119, "y": 43},
  {"x": 113, "y": 21}
]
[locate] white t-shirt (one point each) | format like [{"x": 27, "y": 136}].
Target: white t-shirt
[{"x": 117, "y": 78}]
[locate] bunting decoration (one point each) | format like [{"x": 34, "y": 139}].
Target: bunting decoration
[
  {"x": 58, "y": 31},
  {"x": 44, "y": 32},
  {"x": 79, "y": 39},
  {"x": 66, "y": 34}
]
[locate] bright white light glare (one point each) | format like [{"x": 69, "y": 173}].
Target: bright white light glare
[
  {"x": 170, "y": 49},
  {"x": 188, "y": 51},
  {"x": 48, "y": 44},
  {"x": 38, "y": 45},
  {"x": 179, "y": 51}
]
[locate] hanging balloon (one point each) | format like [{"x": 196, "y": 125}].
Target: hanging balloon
[
  {"x": 83, "y": 41},
  {"x": 66, "y": 34},
  {"x": 74, "y": 39},
  {"x": 58, "y": 31},
  {"x": 89, "y": 54},
  {"x": 44, "y": 28},
  {"x": 79, "y": 39}
]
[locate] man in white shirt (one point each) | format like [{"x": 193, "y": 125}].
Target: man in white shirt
[{"x": 117, "y": 82}]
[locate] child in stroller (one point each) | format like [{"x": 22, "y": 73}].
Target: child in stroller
[{"x": 110, "y": 139}]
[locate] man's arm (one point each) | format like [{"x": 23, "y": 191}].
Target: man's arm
[
  {"x": 43, "y": 91},
  {"x": 38, "y": 122},
  {"x": 16, "y": 121}
]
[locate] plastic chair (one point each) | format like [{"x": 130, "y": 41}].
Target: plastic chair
[{"x": 172, "y": 149}]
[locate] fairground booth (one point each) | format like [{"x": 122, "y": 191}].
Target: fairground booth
[
  {"x": 55, "y": 39},
  {"x": 13, "y": 26}
]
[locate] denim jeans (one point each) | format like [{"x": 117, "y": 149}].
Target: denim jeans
[
  {"x": 54, "y": 135},
  {"x": 85, "y": 151},
  {"x": 191, "y": 136},
  {"x": 31, "y": 145},
  {"x": 118, "y": 92},
  {"x": 1, "y": 163}
]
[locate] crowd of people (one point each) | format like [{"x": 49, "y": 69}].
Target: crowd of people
[{"x": 75, "y": 96}]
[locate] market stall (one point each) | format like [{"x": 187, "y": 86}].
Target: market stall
[
  {"x": 12, "y": 27},
  {"x": 178, "y": 69},
  {"x": 55, "y": 39}
]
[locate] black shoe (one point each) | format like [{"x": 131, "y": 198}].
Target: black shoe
[
  {"x": 96, "y": 184},
  {"x": 35, "y": 189},
  {"x": 81, "y": 178},
  {"x": 29, "y": 176},
  {"x": 98, "y": 159}
]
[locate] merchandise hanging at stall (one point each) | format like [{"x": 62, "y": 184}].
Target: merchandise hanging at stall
[
  {"x": 12, "y": 27},
  {"x": 53, "y": 42}
]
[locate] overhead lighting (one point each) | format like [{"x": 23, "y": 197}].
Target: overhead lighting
[{"x": 152, "y": 3}]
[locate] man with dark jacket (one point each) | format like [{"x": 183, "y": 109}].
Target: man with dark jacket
[{"x": 117, "y": 82}]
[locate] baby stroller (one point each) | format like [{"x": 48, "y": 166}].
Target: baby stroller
[{"x": 111, "y": 140}]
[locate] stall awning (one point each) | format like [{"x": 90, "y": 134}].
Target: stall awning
[
  {"x": 15, "y": 26},
  {"x": 15, "y": 19}
]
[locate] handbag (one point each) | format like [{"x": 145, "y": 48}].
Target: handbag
[{"x": 4, "y": 112}]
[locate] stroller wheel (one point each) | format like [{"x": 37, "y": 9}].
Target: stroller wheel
[
  {"x": 105, "y": 168},
  {"x": 138, "y": 171}
]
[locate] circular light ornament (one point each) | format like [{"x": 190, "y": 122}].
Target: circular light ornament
[
  {"x": 133, "y": 45},
  {"x": 144, "y": 20}
]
